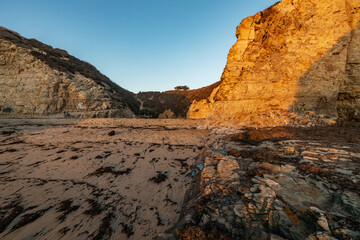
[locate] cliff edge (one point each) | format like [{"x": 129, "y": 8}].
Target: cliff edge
[
  {"x": 295, "y": 56},
  {"x": 36, "y": 79}
]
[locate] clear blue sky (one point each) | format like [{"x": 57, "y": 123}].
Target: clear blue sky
[{"x": 142, "y": 45}]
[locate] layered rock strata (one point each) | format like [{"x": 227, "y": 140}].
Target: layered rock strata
[
  {"x": 294, "y": 56},
  {"x": 38, "y": 79},
  {"x": 276, "y": 184}
]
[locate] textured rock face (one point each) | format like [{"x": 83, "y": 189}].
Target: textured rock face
[
  {"x": 279, "y": 183},
  {"x": 295, "y": 55},
  {"x": 37, "y": 79}
]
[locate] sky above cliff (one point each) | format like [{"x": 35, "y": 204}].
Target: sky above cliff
[{"x": 142, "y": 45}]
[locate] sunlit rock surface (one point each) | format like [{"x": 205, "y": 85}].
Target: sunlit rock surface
[{"x": 296, "y": 56}]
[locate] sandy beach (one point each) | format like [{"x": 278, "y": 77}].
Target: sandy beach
[
  {"x": 176, "y": 179},
  {"x": 76, "y": 179}
]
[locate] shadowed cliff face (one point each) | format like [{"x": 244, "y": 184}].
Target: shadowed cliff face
[
  {"x": 294, "y": 55},
  {"x": 162, "y": 105},
  {"x": 38, "y": 79},
  {"x": 171, "y": 104}
]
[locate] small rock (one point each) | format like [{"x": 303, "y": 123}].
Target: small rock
[
  {"x": 221, "y": 220},
  {"x": 112, "y": 133},
  {"x": 209, "y": 161},
  {"x": 254, "y": 188},
  {"x": 239, "y": 210},
  {"x": 205, "y": 219},
  {"x": 289, "y": 150},
  {"x": 292, "y": 115},
  {"x": 207, "y": 190},
  {"x": 266, "y": 192},
  {"x": 316, "y": 210},
  {"x": 323, "y": 223},
  {"x": 248, "y": 195},
  {"x": 349, "y": 233},
  {"x": 320, "y": 236},
  {"x": 305, "y": 161},
  {"x": 287, "y": 168},
  {"x": 276, "y": 237},
  {"x": 310, "y": 113},
  {"x": 226, "y": 169},
  {"x": 310, "y": 158},
  {"x": 304, "y": 121},
  {"x": 270, "y": 183},
  {"x": 208, "y": 172},
  {"x": 331, "y": 122},
  {"x": 278, "y": 205}
]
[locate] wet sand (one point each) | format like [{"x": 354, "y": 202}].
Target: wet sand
[{"x": 70, "y": 179}]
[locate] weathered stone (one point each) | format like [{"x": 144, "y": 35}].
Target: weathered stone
[
  {"x": 208, "y": 172},
  {"x": 210, "y": 161},
  {"x": 331, "y": 122},
  {"x": 276, "y": 237},
  {"x": 280, "y": 202},
  {"x": 296, "y": 56},
  {"x": 37, "y": 79},
  {"x": 321, "y": 236},
  {"x": 227, "y": 169}
]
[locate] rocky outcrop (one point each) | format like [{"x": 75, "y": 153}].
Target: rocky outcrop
[
  {"x": 281, "y": 183},
  {"x": 38, "y": 79},
  {"x": 294, "y": 56}
]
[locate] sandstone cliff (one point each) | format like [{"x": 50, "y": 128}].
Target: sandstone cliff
[
  {"x": 294, "y": 56},
  {"x": 38, "y": 79}
]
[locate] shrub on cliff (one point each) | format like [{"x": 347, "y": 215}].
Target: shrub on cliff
[{"x": 183, "y": 88}]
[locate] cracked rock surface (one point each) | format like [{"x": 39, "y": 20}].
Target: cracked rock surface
[{"x": 278, "y": 184}]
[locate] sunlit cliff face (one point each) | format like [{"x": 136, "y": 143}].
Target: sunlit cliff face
[{"x": 295, "y": 55}]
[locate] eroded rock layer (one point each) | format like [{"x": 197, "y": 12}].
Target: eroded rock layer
[
  {"x": 279, "y": 183},
  {"x": 38, "y": 79},
  {"x": 294, "y": 56}
]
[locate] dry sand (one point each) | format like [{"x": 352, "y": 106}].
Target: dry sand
[{"x": 68, "y": 179}]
